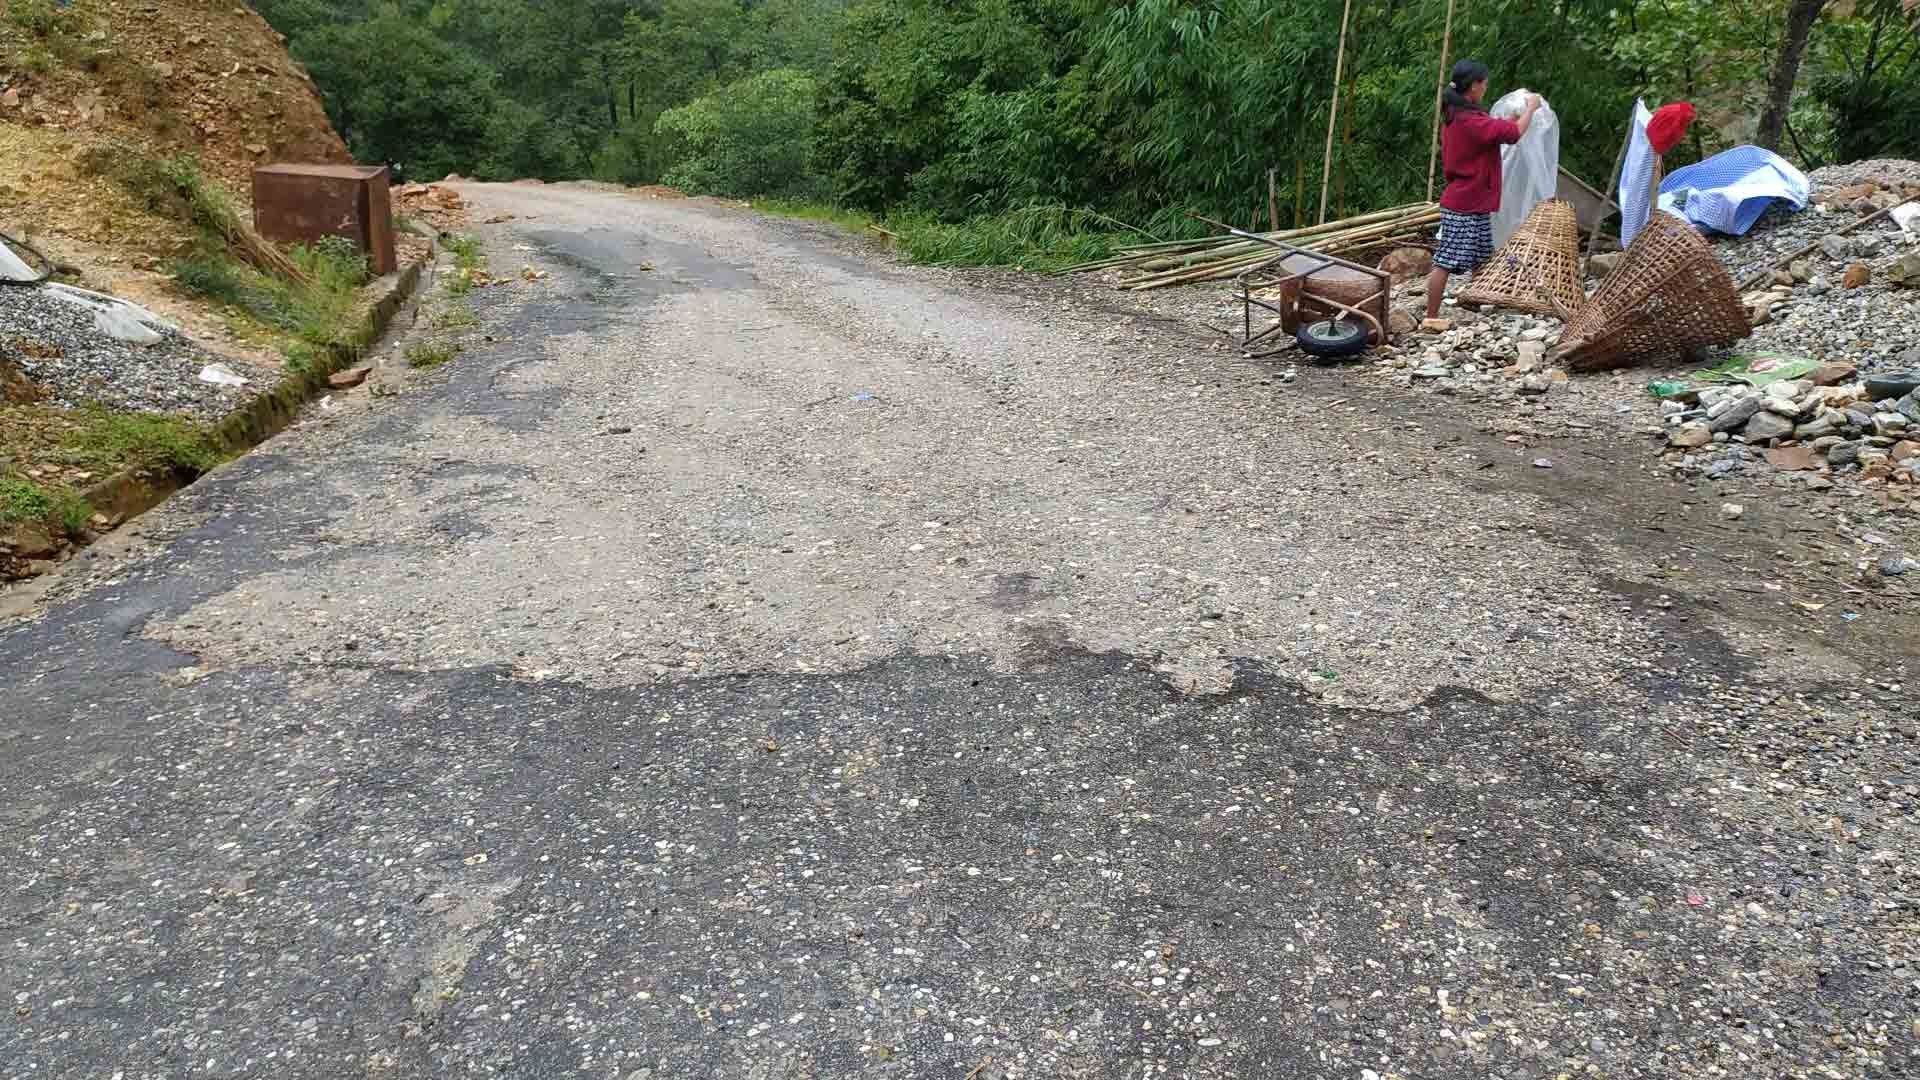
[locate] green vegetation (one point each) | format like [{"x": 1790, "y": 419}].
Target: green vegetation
[
  {"x": 942, "y": 117},
  {"x": 466, "y": 250},
  {"x": 93, "y": 439},
  {"x": 753, "y": 138},
  {"x": 45, "y": 35},
  {"x": 431, "y": 353},
  {"x": 453, "y": 316},
  {"x": 468, "y": 261},
  {"x": 107, "y": 440},
  {"x": 318, "y": 311},
  {"x": 1032, "y": 238},
  {"x": 22, "y": 500},
  {"x": 809, "y": 210},
  {"x": 309, "y": 294}
]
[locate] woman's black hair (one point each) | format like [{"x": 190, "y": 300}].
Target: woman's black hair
[{"x": 1454, "y": 96}]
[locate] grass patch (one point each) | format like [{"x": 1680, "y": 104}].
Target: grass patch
[
  {"x": 851, "y": 220},
  {"x": 467, "y": 262},
  {"x": 454, "y": 316},
  {"x": 1035, "y": 238},
  {"x": 72, "y": 449},
  {"x": 431, "y": 354},
  {"x": 107, "y": 440},
  {"x": 56, "y": 36},
  {"x": 466, "y": 251},
  {"x": 23, "y": 501},
  {"x": 318, "y": 312}
]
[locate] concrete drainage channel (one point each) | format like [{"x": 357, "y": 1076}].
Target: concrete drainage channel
[{"x": 126, "y": 495}]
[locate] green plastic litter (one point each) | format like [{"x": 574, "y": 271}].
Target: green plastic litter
[
  {"x": 1753, "y": 369},
  {"x": 1757, "y": 369}
]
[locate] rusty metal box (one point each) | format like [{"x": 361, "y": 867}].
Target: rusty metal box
[{"x": 299, "y": 204}]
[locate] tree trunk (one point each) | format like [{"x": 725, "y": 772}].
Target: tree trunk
[{"x": 1786, "y": 68}]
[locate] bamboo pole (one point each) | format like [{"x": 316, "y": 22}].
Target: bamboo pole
[
  {"x": 1333, "y": 111},
  {"x": 1612, "y": 193},
  {"x": 1273, "y": 201},
  {"x": 1181, "y": 255},
  {"x": 1346, "y": 148},
  {"x": 1446, "y": 46}
]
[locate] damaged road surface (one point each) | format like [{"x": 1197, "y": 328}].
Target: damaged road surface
[{"x": 751, "y": 659}]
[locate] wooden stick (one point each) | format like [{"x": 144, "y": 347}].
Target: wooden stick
[
  {"x": 1762, "y": 274},
  {"x": 1446, "y": 46},
  {"x": 1612, "y": 193},
  {"x": 1333, "y": 111}
]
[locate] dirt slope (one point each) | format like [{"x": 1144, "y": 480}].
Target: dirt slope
[{"x": 164, "y": 75}]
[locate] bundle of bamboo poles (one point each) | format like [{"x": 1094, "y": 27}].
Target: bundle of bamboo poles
[{"x": 1182, "y": 262}]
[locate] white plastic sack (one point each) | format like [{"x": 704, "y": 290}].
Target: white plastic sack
[
  {"x": 114, "y": 317},
  {"x": 221, "y": 375},
  {"x": 1530, "y": 168},
  {"x": 1907, "y": 216},
  {"x": 14, "y": 268}
]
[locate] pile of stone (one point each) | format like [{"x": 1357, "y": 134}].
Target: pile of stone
[
  {"x": 1830, "y": 423},
  {"x": 1502, "y": 356}
]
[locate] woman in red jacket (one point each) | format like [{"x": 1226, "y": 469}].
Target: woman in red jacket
[{"x": 1470, "y": 152}]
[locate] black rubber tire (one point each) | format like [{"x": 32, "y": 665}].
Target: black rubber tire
[{"x": 1331, "y": 338}]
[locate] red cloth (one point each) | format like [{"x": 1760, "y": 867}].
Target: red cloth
[
  {"x": 1470, "y": 154},
  {"x": 1669, "y": 126}
]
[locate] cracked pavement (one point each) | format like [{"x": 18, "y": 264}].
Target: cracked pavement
[{"x": 750, "y": 658}]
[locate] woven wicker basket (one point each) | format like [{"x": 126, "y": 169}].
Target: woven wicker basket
[
  {"x": 1543, "y": 253},
  {"x": 1668, "y": 297}
]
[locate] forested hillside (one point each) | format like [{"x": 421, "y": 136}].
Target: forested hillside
[{"x": 1142, "y": 110}]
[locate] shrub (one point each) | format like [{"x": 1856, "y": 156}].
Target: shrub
[
  {"x": 755, "y": 137},
  {"x": 22, "y": 500}
]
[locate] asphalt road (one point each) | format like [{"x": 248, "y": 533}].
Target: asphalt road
[{"x": 751, "y": 659}]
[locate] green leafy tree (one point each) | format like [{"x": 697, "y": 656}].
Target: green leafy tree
[
  {"x": 400, "y": 94},
  {"x": 754, "y": 137}
]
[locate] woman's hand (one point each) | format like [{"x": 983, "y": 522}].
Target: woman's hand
[{"x": 1526, "y": 114}]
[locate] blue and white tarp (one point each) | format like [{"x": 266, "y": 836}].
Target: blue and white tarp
[{"x": 1729, "y": 191}]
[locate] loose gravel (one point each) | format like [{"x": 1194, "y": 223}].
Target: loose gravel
[{"x": 58, "y": 347}]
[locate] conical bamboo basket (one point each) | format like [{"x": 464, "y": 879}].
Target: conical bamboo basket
[
  {"x": 1543, "y": 253},
  {"x": 1668, "y": 297}
]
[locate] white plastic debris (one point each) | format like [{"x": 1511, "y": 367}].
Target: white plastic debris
[
  {"x": 221, "y": 375},
  {"x": 14, "y": 268},
  {"x": 115, "y": 317},
  {"x": 1907, "y": 216}
]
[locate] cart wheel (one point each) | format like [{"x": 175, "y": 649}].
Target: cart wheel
[{"x": 1332, "y": 338}]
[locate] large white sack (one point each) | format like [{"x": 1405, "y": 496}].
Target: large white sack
[{"x": 1530, "y": 168}]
